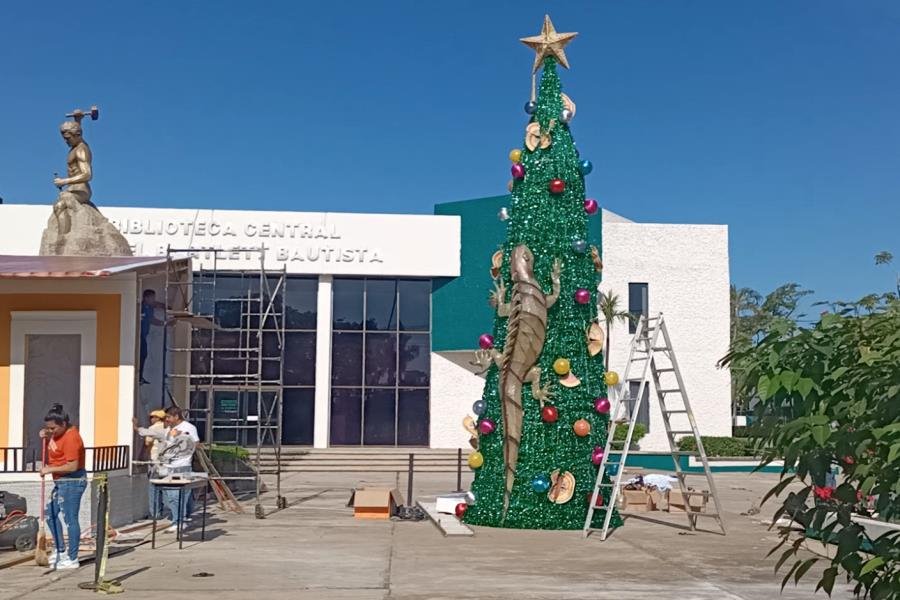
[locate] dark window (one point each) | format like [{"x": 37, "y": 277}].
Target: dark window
[
  {"x": 298, "y": 414},
  {"x": 379, "y": 417},
  {"x": 412, "y": 417},
  {"x": 300, "y": 303},
  {"x": 346, "y": 358},
  {"x": 299, "y": 358},
  {"x": 638, "y": 304},
  {"x": 346, "y": 416},
  {"x": 381, "y": 359},
  {"x": 347, "y": 304},
  {"x": 415, "y": 305},
  {"x": 380, "y": 376},
  {"x": 415, "y": 359},
  {"x": 643, "y": 407},
  {"x": 381, "y": 304}
]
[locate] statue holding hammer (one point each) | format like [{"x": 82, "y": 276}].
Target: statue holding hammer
[
  {"x": 78, "y": 167},
  {"x": 76, "y": 227}
]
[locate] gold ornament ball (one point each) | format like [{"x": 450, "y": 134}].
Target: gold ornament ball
[
  {"x": 515, "y": 155},
  {"x": 581, "y": 427},
  {"x": 561, "y": 366},
  {"x": 476, "y": 459},
  {"x": 611, "y": 378}
]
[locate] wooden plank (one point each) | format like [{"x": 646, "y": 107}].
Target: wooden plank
[{"x": 447, "y": 524}]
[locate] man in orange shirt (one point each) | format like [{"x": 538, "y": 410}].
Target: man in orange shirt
[{"x": 65, "y": 461}]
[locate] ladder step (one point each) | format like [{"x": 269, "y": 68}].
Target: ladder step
[
  {"x": 680, "y": 432},
  {"x": 670, "y": 391},
  {"x": 666, "y": 370},
  {"x": 675, "y": 412}
]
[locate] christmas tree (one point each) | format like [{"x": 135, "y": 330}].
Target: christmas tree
[{"x": 542, "y": 421}]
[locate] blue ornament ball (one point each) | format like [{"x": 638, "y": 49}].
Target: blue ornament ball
[
  {"x": 586, "y": 167},
  {"x": 540, "y": 483},
  {"x": 530, "y": 107},
  {"x": 479, "y": 407},
  {"x": 579, "y": 246}
]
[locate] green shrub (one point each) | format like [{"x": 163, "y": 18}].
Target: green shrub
[
  {"x": 226, "y": 451},
  {"x": 718, "y": 446},
  {"x": 640, "y": 430}
]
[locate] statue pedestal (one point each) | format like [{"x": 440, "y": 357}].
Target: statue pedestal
[{"x": 90, "y": 234}]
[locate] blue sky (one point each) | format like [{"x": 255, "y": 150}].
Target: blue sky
[{"x": 778, "y": 118}]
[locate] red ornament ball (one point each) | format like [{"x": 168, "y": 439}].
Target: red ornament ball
[
  {"x": 557, "y": 186},
  {"x": 549, "y": 414},
  {"x": 601, "y": 405},
  {"x": 582, "y": 296},
  {"x": 599, "y": 499},
  {"x": 591, "y": 206},
  {"x": 460, "y": 509},
  {"x": 517, "y": 170}
]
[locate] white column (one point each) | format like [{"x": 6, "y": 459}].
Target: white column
[
  {"x": 128, "y": 323},
  {"x": 323, "y": 363}
]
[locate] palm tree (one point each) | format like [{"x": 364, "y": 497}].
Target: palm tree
[{"x": 609, "y": 308}]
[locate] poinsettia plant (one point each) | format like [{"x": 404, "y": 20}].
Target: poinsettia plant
[{"x": 828, "y": 400}]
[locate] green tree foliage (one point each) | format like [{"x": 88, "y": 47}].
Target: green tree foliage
[
  {"x": 611, "y": 312},
  {"x": 753, "y": 316},
  {"x": 829, "y": 400}
]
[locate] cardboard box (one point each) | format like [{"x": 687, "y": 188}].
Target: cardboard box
[
  {"x": 696, "y": 500},
  {"x": 375, "y": 503},
  {"x": 637, "y": 501}
]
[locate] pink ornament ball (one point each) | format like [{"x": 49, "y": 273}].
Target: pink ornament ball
[
  {"x": 590, "y": 206},
  {"x": 486, "y": 341},
  {"x": 597, "y": 455},
  {"x": 517, "y": 170},
  {"x": 582, "y": 296},
  {"x": 486, "y": 427},
  {"x": 601, "y": 405}
]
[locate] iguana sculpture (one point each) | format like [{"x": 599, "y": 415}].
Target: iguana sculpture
[{"x": 526, "y": 331}]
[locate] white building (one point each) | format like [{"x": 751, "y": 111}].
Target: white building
[{"x": 375, "y": 352}]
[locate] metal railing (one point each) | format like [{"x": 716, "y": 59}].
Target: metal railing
[
  {"x": 107, "y": 458},
  {"x": 19, "y": 460},
  {"x": 16, "y": 459}
]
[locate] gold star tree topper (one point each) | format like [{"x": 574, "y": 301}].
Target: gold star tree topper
[{"x": 549, "y": 42}]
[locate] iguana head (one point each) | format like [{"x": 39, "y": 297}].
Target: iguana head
[{"x": 521, "y": 263}]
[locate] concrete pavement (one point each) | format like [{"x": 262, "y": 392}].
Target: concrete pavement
[{"x": 315, "y": 549}]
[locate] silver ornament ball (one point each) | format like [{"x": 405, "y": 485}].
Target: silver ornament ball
[
  {"x": 503, "y": 215},
  {"x": 566, "y": 115}
]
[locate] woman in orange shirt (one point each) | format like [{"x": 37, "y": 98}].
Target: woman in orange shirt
[{"x": 65, "y": 461}]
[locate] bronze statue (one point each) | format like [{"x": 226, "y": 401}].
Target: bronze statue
[
  {"x": 76, "y": 227},
  {"x": 78, "y": 168}
]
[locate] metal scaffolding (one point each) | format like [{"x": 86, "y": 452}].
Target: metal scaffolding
[{"x": 229, "y": 344}]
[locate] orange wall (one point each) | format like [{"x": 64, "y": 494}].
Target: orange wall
[{"x": 106, "y": 388}]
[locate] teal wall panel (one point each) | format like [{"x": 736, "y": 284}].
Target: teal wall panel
[{"x": 460, "y": 312}]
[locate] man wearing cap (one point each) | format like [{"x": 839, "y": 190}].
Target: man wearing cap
[{"x": 151, "y": 443}]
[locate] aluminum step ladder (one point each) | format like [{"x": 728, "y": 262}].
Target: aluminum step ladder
[{"x": 651, "y": 358}]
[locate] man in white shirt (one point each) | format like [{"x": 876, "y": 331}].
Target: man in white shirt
[{"x": 176, "y": 423}]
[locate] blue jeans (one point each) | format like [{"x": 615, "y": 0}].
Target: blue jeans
[
  {"x": 66, "y": 499},
  {"x": 153, "y": 497},
  {"x": 170, "y": 498}
]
